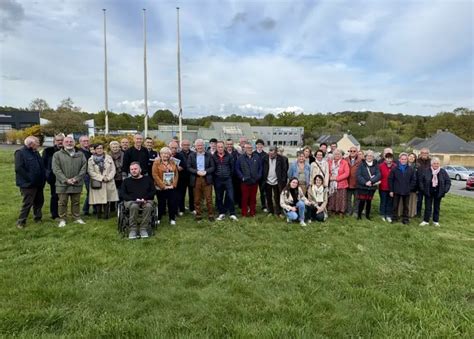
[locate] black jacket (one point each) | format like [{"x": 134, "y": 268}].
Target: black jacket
[
  {"x": 209, "y": 167},
  {"x": 280, "y": 169},
  {"x": 133, "y": 189},
  {"x": 363, "y": 176},
  {"x": 152, "y": 155},
  {"x": 48, "y": 163},
  {"x": 225, "y": 168},
  {"x": 132, "y": 155},
  {"x": 249, "y": 169},
  {"x": 402, "y": 183},
  {"x": 29, "y": 168},
  {"x": 444, "y": 182}
]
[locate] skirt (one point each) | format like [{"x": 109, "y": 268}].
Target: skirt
[
  {"x": 337, "y": 201},
  {"x": 411, "y": 205}
]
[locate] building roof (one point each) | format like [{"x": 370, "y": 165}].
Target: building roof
[
  {"x": 415, "y": 141},
  {"x": 331, "y": 138},
  {"x": 353, "y": 140},
  {"x": 446, "y": 142}
]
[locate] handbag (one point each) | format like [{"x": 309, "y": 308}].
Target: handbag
[
  {"x": 375, "y": 184},
  {"x": 96, "y": 184}
]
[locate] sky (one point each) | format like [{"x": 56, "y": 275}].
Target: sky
[{"x": 243, "y": 57}]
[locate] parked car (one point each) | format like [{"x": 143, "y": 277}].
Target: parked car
[
  {"x": 458, "y": 172},
  {"x": 470, "y": 183}
]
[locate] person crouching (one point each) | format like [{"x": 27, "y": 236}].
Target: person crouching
[{"x": 293, "y": 202}]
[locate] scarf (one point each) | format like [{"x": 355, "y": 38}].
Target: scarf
[
  {"x": 294, "y": 195},
  {"x": 402, "y": 168},
  {"x": 434, "y": 180},
  {"x": 318, "y": 193},
  {"x": 99, "y": 160},
  {"x": 334, "y": 171}
]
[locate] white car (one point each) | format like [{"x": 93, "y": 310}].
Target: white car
[{"x": 458, "y": 172}]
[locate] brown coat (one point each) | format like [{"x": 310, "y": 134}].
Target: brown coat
[
  {"x": 159, "y": 168},
  {"x": 352, "y": 180}
]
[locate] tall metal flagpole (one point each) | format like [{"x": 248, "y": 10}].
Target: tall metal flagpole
[
  {"x": 180, "y": 115},
  {"x": 145, "y": 71},
  {"x": 105, "y": 77}
]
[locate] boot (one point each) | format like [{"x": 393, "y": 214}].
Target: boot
[
  {"x": 367, "y": 209},
  {"x": 99, "y": 211},
  {"x": 360, "y": 209},
  {"x": 107, "y": 211}
]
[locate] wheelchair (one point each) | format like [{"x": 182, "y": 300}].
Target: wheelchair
[{"x": 123, "y": 215}]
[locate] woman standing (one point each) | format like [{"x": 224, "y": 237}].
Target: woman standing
[
  {"x": 101, "y": 170},
  {"x": 320, "y": 167},
  {"x": 386, "y": 201},
  {"x": 308, "y": 156},
  {"x": 117, "y": 156},
  {"x": 165, "y": 175},
  {"x": 301, "y": 170},
  {"x": 293, "y": 201},
  {"x": 434, "y": 183},
  {"x": 401, "y": 181},
  {"x": 368, "y": 177},
  {"x": 339, "y": 172},
  {"x": 318, "y": 198}
]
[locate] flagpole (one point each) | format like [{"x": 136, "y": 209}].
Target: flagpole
[
  {"x": 105, "y": 77},
  {"x": 145, "y": 73},
  {"x": 180, "y": 114}
]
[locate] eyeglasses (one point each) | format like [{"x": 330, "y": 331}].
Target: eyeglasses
[{"x": 352, "y": 151}]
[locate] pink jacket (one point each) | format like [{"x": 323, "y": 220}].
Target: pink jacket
[{"x": 342, "y": 174}]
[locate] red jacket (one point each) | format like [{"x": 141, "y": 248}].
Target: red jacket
[
  {"x": 385, "y": 171},
  {"x": 353, "y": 171},
  {"x": 342, "y": 174}
]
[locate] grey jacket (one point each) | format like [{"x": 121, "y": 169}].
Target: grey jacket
[{"x": 66, "y": 167}]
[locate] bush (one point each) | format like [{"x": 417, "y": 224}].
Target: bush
[{"x": 106, "y": 139}]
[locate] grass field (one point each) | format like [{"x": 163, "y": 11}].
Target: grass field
[{"x": 255, "y": 278}]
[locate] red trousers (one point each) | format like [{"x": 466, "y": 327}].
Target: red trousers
[{"x": 249, "y": 198}]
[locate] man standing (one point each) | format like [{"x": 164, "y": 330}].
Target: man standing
[
  {"x": 212, "y": 146},
  {"x": 152, "y": 154},
  {"x": 50, "y": 177},
  {"x": 30, "y": 178},
  {"x": 138, "y": 192},
  {"x": 85, "y": 149},
  {"x": 183, "y": 180},
  {"x": 249, "y": 171},
  {"x": 261, "y": 183},
  {"x": 242, "y": 142},
  {"x": 69, "y": 167},
  {"x": 136, "y": 153},
  {"x": 423, "y": 163},
  {"x": 274, "y": 175},
  {"x": 224, "y": 163},
  {"x": 229, "y": 146},
  {"x": 201, "y": 168},
  {"x": 354, "y": 162}
]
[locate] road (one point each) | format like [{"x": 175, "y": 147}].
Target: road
[{"x": 459, "y": 188}]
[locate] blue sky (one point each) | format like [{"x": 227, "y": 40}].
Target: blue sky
[{"x": 243, "y": 57}]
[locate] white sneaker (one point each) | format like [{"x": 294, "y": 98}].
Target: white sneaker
[
  {"x": 265, "y": 210},
  {"x": 173, "y": 222},
  {"x": 193, "y": 212},
  {"x": 288, "y": 220},
  {"x": 389, "y": 220},
  {"x": 80, "y": 222},
  {"x": 424, "y": 223},
  {"x": 383, "y": 219},
  {"x": 221, "y": 217},
  {"x": 302, "y": 223},
  {"x": 158, "y": 222},
  {"x": 436, "y": 224},
  {"x": 310, "y": 221},
  {"x": 180, "y": 214},
  {"x": 62, "y": 223},
  {"x": 233, "y": 217}
]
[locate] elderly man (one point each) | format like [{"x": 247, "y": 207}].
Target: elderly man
[
  {"x": 183, "y": 180},
  {"x": 354, "y": 162},
  {"x": 86, "y": 149},
  {"x": 274, "y": 175},
  {"x": 201, "y": 168},
  {"x": 249, "y": 171},
  {"x": 229, "y": 147},
  {"x": 50, "y": 178},
  {"x": 242, "y": 142},
  {"x": 224, "y": 163},
  {"x": 69, "y": 167},
  {"x": 423, "y": 163},
  {"x": 138, "y": 192},
  {"x": 259, "y": 144},
  {"x": 30, "y": 178},
  {"x": 136, "y": 153}
]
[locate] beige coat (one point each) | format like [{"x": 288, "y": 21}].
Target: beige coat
[
  {"x": 312, "y": 198},
  {"x": 285, "y": 201},
  {"x": 315, "y": 170},
  {"x": 108, "y": 192}
]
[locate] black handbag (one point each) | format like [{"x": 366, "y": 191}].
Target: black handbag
[{"x": 96, "y": 184}]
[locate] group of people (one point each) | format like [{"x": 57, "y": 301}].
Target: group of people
[{"x": 305, "y": 190}]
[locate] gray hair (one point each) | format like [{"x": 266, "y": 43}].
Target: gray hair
[
  {"x": 165, "y": 150},
  {"x": 435, "y": 159},
  {"x": 114, "y": 143},
  {"x": 369, "y": 152},
  {"x": 198, "y": 141},
  {"x": 403, "y": 154},
  {"x": 31, "y": 140}
]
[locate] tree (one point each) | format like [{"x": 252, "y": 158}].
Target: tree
[
  {"x": 68, "y": 105},
  {"x": 163, "y": 116},
  {"x": 66, "y": 122},
  {"x": 39, "y": 104}
]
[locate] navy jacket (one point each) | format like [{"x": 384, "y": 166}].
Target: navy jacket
[
  {"x": 363, "y": 176},
  {"x": 249, "y": 169},
  {"x": 209, "y": 167},
  {"x": 29, "y": 168},
  {"x": 402, "y": 183},
  {"x": 444, "y": 182},
  {"x": 48, "y": 163},
  {"x": 224, "y": 168}
]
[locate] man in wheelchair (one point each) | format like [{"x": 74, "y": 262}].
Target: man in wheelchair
[{"x": 138, "y": 192}]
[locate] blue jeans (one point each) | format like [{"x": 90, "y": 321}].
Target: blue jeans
[
  {"x": 224, "y": 204},
  {"x": 386, "y": 204},
  {"x": 300, "y": 207}
]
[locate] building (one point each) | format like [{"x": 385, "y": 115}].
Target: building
[
  {"x": 18, "y": 120},
  {"x": 279, "y": 135},
  {"x": 344, "y": 141},
  {"x": 168, "y": 132},
  {"x": 449, "y": 148},
  {"x": 227, "y": 130}
]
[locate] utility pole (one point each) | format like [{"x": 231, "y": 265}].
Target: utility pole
[
  {"x": 180, "y": 114},
  {"x": 105, "y": 76},
  {"x": 145, "y": 74}
]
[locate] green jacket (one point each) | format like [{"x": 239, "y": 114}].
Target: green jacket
[{"x": 66, "y": 167}]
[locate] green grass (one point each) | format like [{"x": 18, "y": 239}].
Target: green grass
[{"x": 255, "y": 278}]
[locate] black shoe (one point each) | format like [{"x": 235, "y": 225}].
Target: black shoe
[
  {"x": 197, "y": 218},
  {"x": 212, "y": 219},
  {"x": 38, "y": 221},
  {"x": 368, "y": 218},
  {"x": 405, "y": 222}
]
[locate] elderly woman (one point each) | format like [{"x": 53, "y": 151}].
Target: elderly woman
[
  {"x": 301, "y": 170},
  {"x": 338, "y": 173},
  {"x": 308, "y": 156},
  {"x": 368, "y": 177},
  {"x": 401, "y": 181},
  {"x": 434, "y": 183},
  {"x": 320, "y": 167},
  {"x": 117, "y": 156},
  {"x": 103, "y": 191},
  {"x": 293, "y": 201},
  {"x": 318, "y": 198},
  {"x": 165, "y": 175},
  {"x": 413, "y": 194}
]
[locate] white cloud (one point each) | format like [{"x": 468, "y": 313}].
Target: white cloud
[{"x": 138, "y": 106}]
